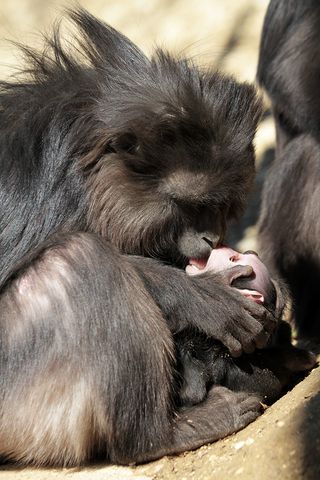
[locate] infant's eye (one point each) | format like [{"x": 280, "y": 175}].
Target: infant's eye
[{"x": 250, "y": 252}]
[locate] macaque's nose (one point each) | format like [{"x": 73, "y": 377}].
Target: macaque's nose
[{"x": 212, "y": 241}]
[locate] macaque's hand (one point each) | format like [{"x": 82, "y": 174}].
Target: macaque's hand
[{"x": 239, "y": 323}]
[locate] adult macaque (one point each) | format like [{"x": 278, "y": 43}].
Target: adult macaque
[{"x": 108, "y": 157}]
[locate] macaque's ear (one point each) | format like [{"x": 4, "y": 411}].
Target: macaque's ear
[{"x": 106, "y": 47}]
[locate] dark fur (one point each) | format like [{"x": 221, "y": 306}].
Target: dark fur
[
  {"x": 289, "y": 69},
  {"x": 106, "y": 153},
  {"x": 268, "y": 373}
]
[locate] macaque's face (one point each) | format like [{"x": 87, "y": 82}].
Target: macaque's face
[{"x": 258, "y": 286}]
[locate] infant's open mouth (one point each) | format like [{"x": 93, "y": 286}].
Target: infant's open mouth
[
  {"x": 247, "y": 282},
  {"x": 199, "y": 263}
]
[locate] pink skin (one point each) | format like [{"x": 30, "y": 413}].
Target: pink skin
[{"x": 223, "y": 258}]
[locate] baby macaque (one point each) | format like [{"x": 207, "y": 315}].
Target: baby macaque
[
  {"x": 259, "y": 287},
  {"x": 204, "y": 362}
]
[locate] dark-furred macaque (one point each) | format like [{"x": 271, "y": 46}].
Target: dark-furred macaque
[
  {"x": 116, "y": 169},
  {"x": 289, "y": 224}
]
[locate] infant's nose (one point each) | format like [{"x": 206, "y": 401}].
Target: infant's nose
[{"x": 235, "y": 257}]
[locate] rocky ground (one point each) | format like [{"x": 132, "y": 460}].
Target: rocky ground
[{"x": 284, "y": 442}]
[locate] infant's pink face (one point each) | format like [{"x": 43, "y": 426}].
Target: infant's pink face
[{"x": 257, "y": 285}]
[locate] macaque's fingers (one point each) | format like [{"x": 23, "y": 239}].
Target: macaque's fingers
[
  {"x": 256, "y": 337},
  {"x": 267, "y": 320},
  {"x": 233, "y": 345},
  {"x": 228, "y": 276},
  {"x": 249, "y": 346},
  {"x": 262, "y": 338},
  {"x": 251, "y": 333},
  {"x": 251, "y": 326}
]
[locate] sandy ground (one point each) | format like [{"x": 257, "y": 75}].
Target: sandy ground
[{"x": 284, "y": 443}]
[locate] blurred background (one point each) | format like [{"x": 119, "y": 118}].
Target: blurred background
[{"x": 220, "y": 33}]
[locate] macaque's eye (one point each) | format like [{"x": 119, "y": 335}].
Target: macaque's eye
[
  {"x": 168, "y": 137},
  {"x": 126, "y": 142}
]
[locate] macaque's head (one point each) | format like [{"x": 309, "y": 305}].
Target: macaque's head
[{"x": 258, "y": 286}]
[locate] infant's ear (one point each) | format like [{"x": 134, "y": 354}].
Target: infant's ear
[{"x": 281, "y": 297}]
